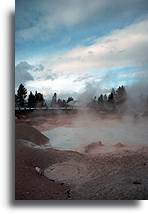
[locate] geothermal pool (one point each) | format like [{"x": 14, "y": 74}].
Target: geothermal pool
[{"x": 109, "y": 132}]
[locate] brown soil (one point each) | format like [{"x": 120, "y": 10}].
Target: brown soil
[
  {"x": 71, "y": 175},
  {"x": 25, "y": 132},
  {"x": 119, "y": 174},
  {"x": 28, "y": 184}
]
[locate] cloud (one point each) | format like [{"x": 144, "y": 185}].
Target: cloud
[
  {"x": 60, "y": 85},
  {"x": 43, "y": 18},
  {"x": 21, "y": 73},
  {"x": 39, "y": 68},
  {"x": 117, "y": 58},
  {"x": 127, "y": 47},
  {"x": 24, "y": 72},
  {"x": 51, "y": 77},
  {"x": 25, "y": 66}
]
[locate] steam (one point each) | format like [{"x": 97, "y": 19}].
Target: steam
[
  {"x": 88, "y": 127},
  {"x": 138, "y": 97}
]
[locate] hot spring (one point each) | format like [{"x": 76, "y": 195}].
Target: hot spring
[{"x": 85, "y": 130}]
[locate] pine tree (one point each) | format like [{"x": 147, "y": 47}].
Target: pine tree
[
  {"x": 105, "y": 98},
  {"x": 21, "y": 95},
  {"x": 100, "y": 99},
  {"x": 16, "y": 101},
  {"x": 121, "y": 95},
  {"x": 39, "y": 99},
  {"x": 69, "y": 99},
  {"x": 31, "y": 100},
  {"x": 111, "y": 98},
  {"x": 54, "y": 100}
]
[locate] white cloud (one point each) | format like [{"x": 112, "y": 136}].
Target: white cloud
[
  {"x": 51, "y": 15},
  {"x": 122, "y": 48},
  {"x": 126, "y": 47},
  {"x": 60, "y": 85},
  {"x": 22, "y": 73},
  {"x": 61, "y": 13}
]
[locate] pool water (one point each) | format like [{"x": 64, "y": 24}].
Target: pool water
[{"x": 106, "y": 131}]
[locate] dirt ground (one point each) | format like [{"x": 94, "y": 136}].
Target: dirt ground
[{"x": 120, "y": 173}]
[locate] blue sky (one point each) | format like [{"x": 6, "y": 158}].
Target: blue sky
[{"x": 73, "y": 43}]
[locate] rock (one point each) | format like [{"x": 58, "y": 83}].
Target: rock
[
  {"x": 119, "y": 145},
  {"x": 39, "y": 170},
  {"x": 137, "y": 182},
  {"x": 68, "y": 194},
  {"x": 62, "y": 184},
  {"x": 93, "y": 146},
  {"x": 52, "y": 180}
]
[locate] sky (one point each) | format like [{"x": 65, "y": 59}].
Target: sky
[{"x": 70, "y": 46}]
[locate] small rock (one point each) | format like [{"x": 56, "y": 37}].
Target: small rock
[
  {"x": 68, "y": 194},
  {"x": 39, "y": 170},
  {"x": 52, "y": 180},
  {"x": 119, "y": 145},
  {"x": 62, "y": 184},
  {"x": 137, "y": 182}
]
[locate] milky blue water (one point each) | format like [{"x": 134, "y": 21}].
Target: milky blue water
[{"x": 109, "y": 132}]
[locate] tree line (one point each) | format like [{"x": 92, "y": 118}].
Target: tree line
[
  {"x": 36, "y": 100},
  {"x": 114, "y": 100},
  {"x": 104, "y": 102}
]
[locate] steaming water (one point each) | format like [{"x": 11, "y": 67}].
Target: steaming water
[{"x": 107, "y": 131}]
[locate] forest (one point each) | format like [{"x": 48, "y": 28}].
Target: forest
[{"x": 104, "y": 102}]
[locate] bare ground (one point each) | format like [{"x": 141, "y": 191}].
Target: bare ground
[{"x": 121, "y": 173}]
